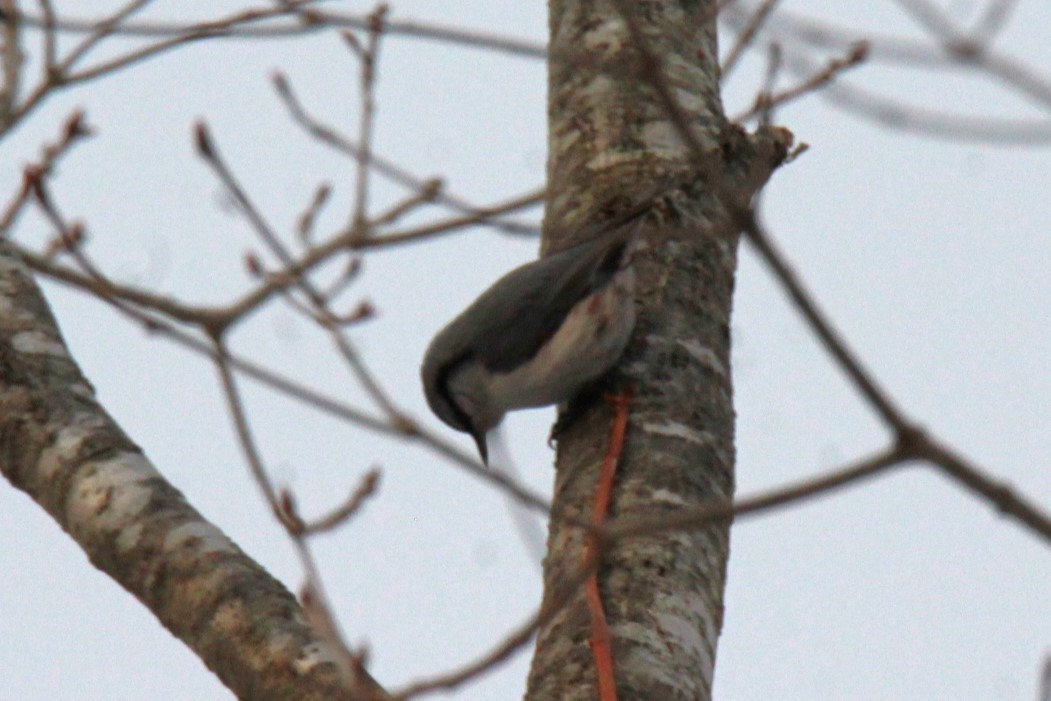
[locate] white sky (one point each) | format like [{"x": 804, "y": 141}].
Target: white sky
[{"x": 930, "y": 256}]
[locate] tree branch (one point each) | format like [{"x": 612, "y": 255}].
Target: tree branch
[{"x": 59, "y": 446}]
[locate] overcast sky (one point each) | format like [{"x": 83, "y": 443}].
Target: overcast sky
[{"x": 931, "y": 255}]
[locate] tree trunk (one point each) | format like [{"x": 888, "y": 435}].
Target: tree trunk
[{"x": 612, "y": 138}]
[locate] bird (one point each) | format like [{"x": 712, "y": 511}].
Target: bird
[{"x": 538, "y": 335}]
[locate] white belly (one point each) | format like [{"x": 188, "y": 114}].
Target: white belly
[{"x": 587, "y": 344}]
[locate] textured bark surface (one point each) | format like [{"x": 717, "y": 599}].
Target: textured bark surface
[
  {"x": 607, "y": 132},
  {"x": 60, "y": 447},
  {"x": 611, "y": 139}
]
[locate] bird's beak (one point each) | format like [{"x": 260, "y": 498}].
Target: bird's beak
[{"x": 483, "y": 449}]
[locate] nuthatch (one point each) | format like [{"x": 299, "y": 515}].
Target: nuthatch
[{"x": 537, "y": 336}]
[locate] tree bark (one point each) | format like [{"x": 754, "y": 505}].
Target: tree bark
[
  {"x": 59, "y": 446},
  {"x": 612, "y": 139}
]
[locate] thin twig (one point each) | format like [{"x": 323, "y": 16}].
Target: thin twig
[
  {"x": 340, "y": 515},
  {"x": 208, "y": 151},
  {"x": 307, "y": 220},
  {"x": 915, "y": 446},
  {"x": 795, "y": 494},
  {"x": 564, "y": 594},
  {"x": 192, "y": 32},
  {"x": 830, "y": 338},
  {"x": 503, "y": 651},
  {"x": 244, "y": 434},
  {"x": 369, "y": 58},
  {"x": 638, "y": 526},
  {"x": 930, "y": 18},
  {"x": 308, "y": 396},
  {"x": 993, "y": 19},
  {"x": 819, "y": 79},
  {"x": 311, "y": 397},
  {"x": 102, "y": 29},
  {"x": 414, "y": 200},
  {"x": 74, "y": 130},
  {"x": 315, "y": 602},
  {"x": 764, "y": 101},
  {"x": 319, "y": 611},
  {"x": 235, "y": 312},
  {"x": 996, "y": 493},
  {"x": 322, "y": 20},
  {"x": 910, "y": 440},
  {"x": 828, "y": 35},
  {"x": 903, "y": 116},
  {"x": 50, "y": 50},
  {"x": 62, "y": 74},
  {"x": 319, "y": 614},
  {"x": 746, "y": 37},
  {"x": 329, "y": 136}
]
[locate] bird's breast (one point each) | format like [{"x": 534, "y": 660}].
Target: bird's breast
[{"x": 587, "y": 344}]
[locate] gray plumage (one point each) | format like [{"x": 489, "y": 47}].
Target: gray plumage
[{"x": 536, "y": 336}]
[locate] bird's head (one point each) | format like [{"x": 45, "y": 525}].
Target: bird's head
[{"x": 458, "y": 394}]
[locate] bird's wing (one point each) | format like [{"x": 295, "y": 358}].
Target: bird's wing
[{"x": 524, "y": 309}]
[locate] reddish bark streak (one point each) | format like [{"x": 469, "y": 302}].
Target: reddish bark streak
[{"x": 601, "y": 648}]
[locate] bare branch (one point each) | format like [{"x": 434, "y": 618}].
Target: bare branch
[
  {"x": 369, "y": 57},
  {"x": 66, "y": 453},
  {"x": 336, "y": 408},
  {"x": 914, "y": 445},
  {"x": 996, "y": 493},
  {"x": 74, "y": 130},
  {"x": 935, "y": 123},
  {"x": 513, "y": 643},
  {"x": 821, "y": 78},
  {"x": 431, "y": 190},
  {"x": 320, "y": 20},
  {"x": 930, "y": 18},
  {"x": 50, "y": 51},
  {"x": 993, "y": 20},
  {"x": 343, "y": 513},
  {"x": 320, "y": 304},
  {"x": 329, "y": 136},
  {"x": 305, "y": 227},
  {"x": 791, "y": 495},
  {"x": 747, "y": 36},
  {"x": 822, "y": 328},
  {"x": 102, "y": 29},
  {"x": 402, "y": 426},
  {"x": 910, "y": 440},
  {"x": 951, "y": 55},
  {"x": 565, "y": 595},
  {"x": 230, "y": 315},
  {"x": 244, "y": 435}
]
